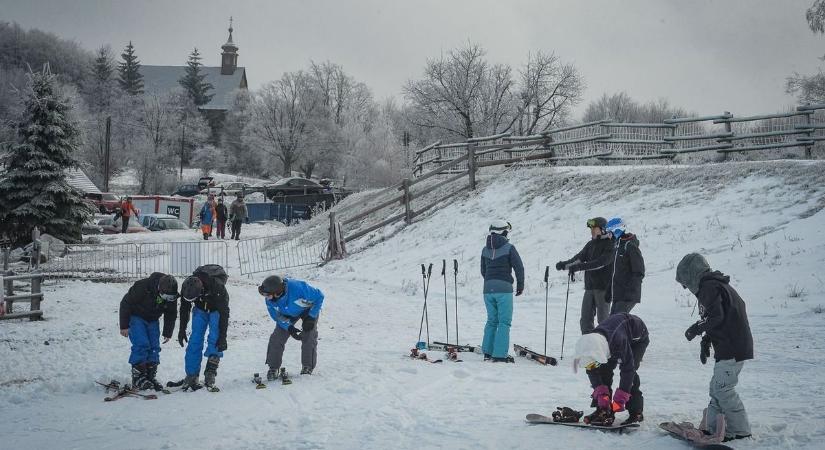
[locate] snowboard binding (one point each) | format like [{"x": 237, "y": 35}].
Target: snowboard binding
[{"x": 566, "y": 415}]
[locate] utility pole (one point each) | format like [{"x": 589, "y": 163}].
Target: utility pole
[
  {"x": 182, "y": 140},
  {"x": 107, "y": 153}
]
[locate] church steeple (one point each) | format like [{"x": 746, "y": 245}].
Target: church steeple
[{"x": 229, "y": 56}]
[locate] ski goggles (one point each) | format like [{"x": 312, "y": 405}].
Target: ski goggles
[
  {"x": 167, "y": 297},
  {"x": 591, "y": 223}
]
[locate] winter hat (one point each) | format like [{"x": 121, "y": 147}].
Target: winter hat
[
  {"x": 499, "y": 226},
  {"x": 690, "y": 270},
  {"x": 616, "y": 226},
  {"x": 590, "y": 348}
]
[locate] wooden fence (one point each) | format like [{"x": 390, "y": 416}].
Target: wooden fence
[{"x": 34, "y": 296}]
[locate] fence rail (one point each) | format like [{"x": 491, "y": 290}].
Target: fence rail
[
  {"x": 8, "y": 296},
  {"x": 276, "y": 253}
]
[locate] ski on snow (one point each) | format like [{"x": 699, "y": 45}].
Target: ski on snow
[
  {"x": 123, "y": 391},
  {"x": 521, "y": 350}
]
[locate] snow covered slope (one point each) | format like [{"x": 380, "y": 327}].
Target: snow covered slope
[{"x": 759, "y": 222}]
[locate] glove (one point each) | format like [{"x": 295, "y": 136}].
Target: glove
[
  {"x": 704, "y": 351},
  {"x": 560, "y": 265},
  {"x": 572, "y": 274},
  {"x": 692, "y": 332},
  {"x": 295, "y": 333},
  {"x": 222, "y": 345},
  {"x": 182, "y": 338},
  {"x": 308, "y": 324},
  {"x": 519, "y": 291},
  {"x": 602, "y": 396},
  {"x": 620, "y": 398}
]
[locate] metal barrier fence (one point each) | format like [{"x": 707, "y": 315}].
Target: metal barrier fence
[
  {"x": 130, "y": 261},
  {"x": 274, "y": 253}
]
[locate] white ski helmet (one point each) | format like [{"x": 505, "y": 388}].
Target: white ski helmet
[
  {"x": 499, "y": 226},
  {"x": 591, "y": 349}
]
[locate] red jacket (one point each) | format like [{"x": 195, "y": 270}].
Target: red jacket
[{"x": 127, "y": 208}]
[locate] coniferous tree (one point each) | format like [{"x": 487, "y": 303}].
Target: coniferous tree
[
  {"x": 33, "y": 190},
  {"x": 194, "y": 81},
  {"x": 101, "y": 86},
  {"x": 129, "y": 77}
]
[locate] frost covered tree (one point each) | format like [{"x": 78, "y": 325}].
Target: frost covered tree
[
  {"x": 242, "y": 154},
  {"x": 194, "y": 81},
  {"x": 101, "y": 87},
  {"x": 622, "y": 108},
  {"x": 810, "y": 88},
  {"x": 129, "y": 77},
  {"x": 549, "y": 90},
  {"x": 154, "y": 159},
  {"x": 33, "y": 190}
]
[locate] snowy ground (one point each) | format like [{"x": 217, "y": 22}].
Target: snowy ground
[{"x": 759, "y": 222}]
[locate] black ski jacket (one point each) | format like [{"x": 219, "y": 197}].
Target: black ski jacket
[
  {"x": 623, "y": 332},
  {"x": 214, "y": 298},
  {"x": 595, "y": 249},
  {"x": 626, "y": 267},
  {"x": 142, "y": 300},
  {"x": 723, "y": 318},
  {"x": 220, "y": 211}
]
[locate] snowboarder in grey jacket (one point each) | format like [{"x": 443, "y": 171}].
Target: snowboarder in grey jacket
[
  {"x": 596, "y": 279},
  {"x": 724, "y": 321}
]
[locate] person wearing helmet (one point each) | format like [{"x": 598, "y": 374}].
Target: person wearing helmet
[
  {"x": 625, "y": 264},
  {"x": 499, "y": 259},
  {"x": 205, "y": 295},
  {"x": 724, "y": 321},
  {"x": 621, "y": 340},
  {"x": 288, "y": 301},
  {"x": 598, "y": 248},
  {"x": 140, "y": 311}
]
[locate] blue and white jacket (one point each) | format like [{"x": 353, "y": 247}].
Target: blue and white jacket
[
  {"x": 499, "y": 259},
  {"x": 299, "y": 300}
]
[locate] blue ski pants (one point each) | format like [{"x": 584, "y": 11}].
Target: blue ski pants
[
  {"x": 200, "y": 321},
  {"x": 145, "y": 339},
  {"x": 497, "y": 329}
]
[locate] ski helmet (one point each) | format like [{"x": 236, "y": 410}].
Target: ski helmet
[
  {"x": 616, "y": 226},
  {"x": 168, "y": 288},
  {"x": 272, "y": 285},
  {"x": 600, "y": 222},
  {"x": 591, "y": 351},
  {"x": 191, "y": 289},
  {"x": 499, "y": 226}
]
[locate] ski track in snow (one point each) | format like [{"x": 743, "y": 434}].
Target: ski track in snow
[{"x": 366, "y": 393}]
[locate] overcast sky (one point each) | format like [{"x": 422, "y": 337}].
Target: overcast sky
[{"x": 706, "y": 56}]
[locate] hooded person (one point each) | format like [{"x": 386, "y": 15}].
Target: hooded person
[
  {"x": 723, "y": 322},
  {"x": 220, "y": 218},
  {"x": 620, "y": 340},
  {"x": 599, "y": 247},
  {"x": 499, "y": 259},
  {"x": 626, "y": 266},
  {"x": 238, "y": 213}
]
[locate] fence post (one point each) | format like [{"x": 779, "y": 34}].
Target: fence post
[
  {"x": 728, "y": 129},
  {"x": 6, "y": 257},
  {"x": 335, "y": 245},
  {"x": 471, "y": 164},
  {"x": 8, "y": 286},
  {"x": 809, "y": 148},
  {"x": 405, "y": 183},
  {"x": 36, "y": 296}
]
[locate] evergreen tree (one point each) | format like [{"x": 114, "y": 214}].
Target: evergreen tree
[
  {"x": 33, "y": 190},
  {"x": 194, "y": 81},
  {"x": 100, "y": 88},
  {"x": 129, "y": 77}
]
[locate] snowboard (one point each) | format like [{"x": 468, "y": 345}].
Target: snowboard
[
  {"x": 538, "y": 418},
  {"x": 683, "y": 430},
  {"x": 537, "y": 357}
]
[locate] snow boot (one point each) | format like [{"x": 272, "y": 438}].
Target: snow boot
[
  {"x": 151, "y": 373},
  {"x": 634, "y": 417},
  {"x": 306, "y": 371},
  {"x": 139, "y": 380},
  {"x": 211, "y": 371},
  {"x": 507, "y": 359},
  {"x": 600, "y": 417},
  {"x": 272, "y": 374},
  {"x": 487, "y": 357},
  {"x": 191, "y": 383}
]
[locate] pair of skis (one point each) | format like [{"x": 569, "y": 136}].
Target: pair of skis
[
  {"x": 282, "y": 375},
  {"x": 121, "y": 391},
  {"x": 426, "y": 275}
]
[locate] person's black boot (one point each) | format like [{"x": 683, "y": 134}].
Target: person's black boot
[
  {"x": 211, "y": 371},
  {"x": 151, "y": 374},
  {"x": 272, "y": 374},
  {"x": 139, "y": 380},
  {"x": 634, "y": 417}
]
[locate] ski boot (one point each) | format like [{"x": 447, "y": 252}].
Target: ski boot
[
  {"x": 306, "y": 371},
  {"x": 139, "y": 380},
  {"x": 191, "y": 383},
  {"x": 151, "y": 373},
  {"x": 600, "y": 418},
  {"x": 635, "y": 417},
  {"x": 506, "y": 359},
  {"x": 487, "y": 357},
  {"x": 272, "y": 374},
  {"x": 210, "y": 373}
]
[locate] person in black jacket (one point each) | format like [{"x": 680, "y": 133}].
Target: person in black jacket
[
  {"x": 221, "y": 216},
  {"x": 626, "y": 266},
  {"x": 140, "y": 311},
  {"x": 724, "y": 321},
  {"x": 622, "y": 340},
  {"x": 595, "y": 280},
  {"x": 211, "y": 311}
]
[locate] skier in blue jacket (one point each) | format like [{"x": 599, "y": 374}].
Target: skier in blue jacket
[
  {"x": 499, "y": 259},
  {"x": 288, "y": 301}
]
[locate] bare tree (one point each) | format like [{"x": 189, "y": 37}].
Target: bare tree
[
  {"x": 154, "y": 161},
  {"x": 549, "y": 90},
  {"x": 621, "y": 108}
]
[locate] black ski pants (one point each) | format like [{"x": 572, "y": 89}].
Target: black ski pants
[{"x": 605, "y": 371}]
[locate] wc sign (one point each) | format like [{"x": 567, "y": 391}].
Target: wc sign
[{"x": 173, "y": 210}]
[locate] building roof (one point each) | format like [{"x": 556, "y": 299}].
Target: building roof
[
  {"x": 77, "y": 179},
  {"x": 163, "y": 79}
]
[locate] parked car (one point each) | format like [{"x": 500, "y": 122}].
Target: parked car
[
  {"x": 187, "y": 190},
  {"x": 162, "y": 222},
  {"x": 293, "y": 186},
  {"x": 105, "y": 202},
  {"x": 232, "y": 188},
  {"x": 111, "y": 226}
]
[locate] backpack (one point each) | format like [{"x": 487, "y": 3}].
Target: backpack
[{"x": 214, "y": 271}]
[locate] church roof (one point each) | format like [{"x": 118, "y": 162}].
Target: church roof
[{"x": 163, "y": 79}]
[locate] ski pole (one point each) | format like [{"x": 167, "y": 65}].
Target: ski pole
[
  {"x": 564, "y": 328},
  {"x": 424, "y": 284},
  {"x": 446, "y": 313},
  {"x": 455, "y": 283},
  {"x": 426, "y": 311},
  {"x": 546, "y": 296}
]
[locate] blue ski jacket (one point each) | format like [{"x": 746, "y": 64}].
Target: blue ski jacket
[
  {"x": 299, "y": 300},
  {"x": 499, "y": 259}
]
